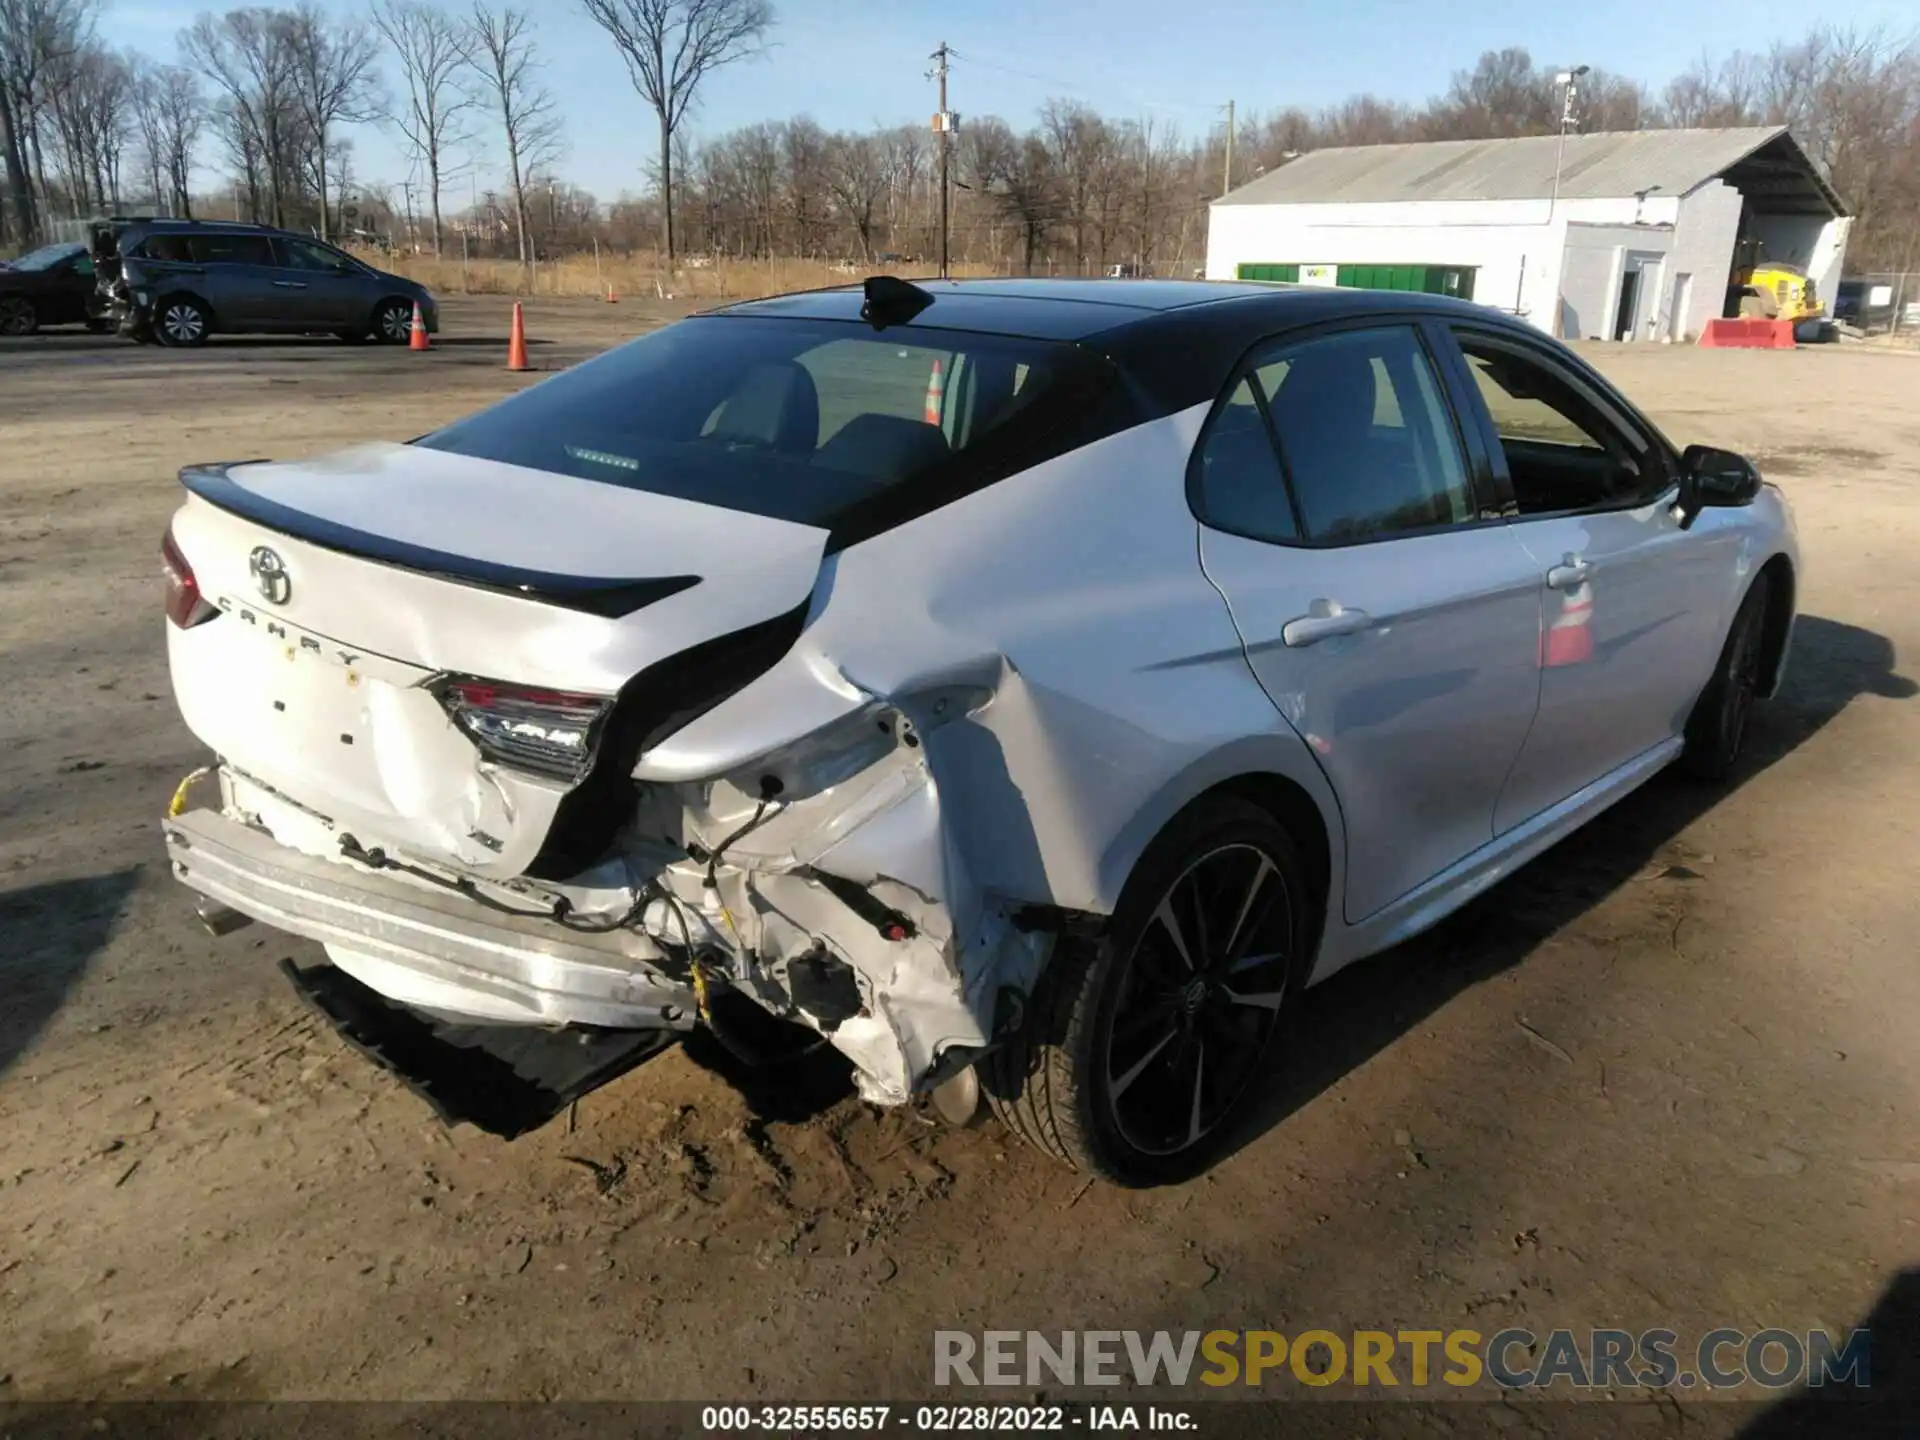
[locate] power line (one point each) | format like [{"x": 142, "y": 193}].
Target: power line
[{"x": 1073, "y": 88}]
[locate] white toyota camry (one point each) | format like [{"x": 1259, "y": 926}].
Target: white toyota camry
[{"x": 1030, "y": 686}]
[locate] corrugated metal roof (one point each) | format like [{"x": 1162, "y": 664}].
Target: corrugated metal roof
[{"x": 1595, "y": 167}]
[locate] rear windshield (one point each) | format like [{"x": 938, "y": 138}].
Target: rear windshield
[{"x": 800, "y": 420}]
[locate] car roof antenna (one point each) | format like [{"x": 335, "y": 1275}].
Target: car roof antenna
[{"x": 891, "y": 301}]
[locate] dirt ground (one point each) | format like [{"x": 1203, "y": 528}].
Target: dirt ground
[{"x": 1667, "y": 1075}]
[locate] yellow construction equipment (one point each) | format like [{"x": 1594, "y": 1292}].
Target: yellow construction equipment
[{"x": 1773, "y": 290}]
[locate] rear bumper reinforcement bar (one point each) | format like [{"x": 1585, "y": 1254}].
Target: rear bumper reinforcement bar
[{"x": 421, "y": 947}]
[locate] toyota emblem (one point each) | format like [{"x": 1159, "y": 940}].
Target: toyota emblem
[{"x": 269, "y": 573}]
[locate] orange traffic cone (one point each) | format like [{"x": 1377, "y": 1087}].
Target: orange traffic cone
[
  {"x": 517, "y": 342},
  {"x": 418, "y": 340},
  {"x": 612, "y": 299},
  {"x": 936, "y": 392}
]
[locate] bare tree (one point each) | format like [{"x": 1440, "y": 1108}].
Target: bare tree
[
  {"x": 435, "y": 52},
  {"x": 36, "y": 36},
  {"x": 179, "y": 112},
  {"x": 333, "y": 84},
  {"x": 503, "y": 54},
  {"x": 908, "y": 156},
  {"x": 90, "y": 106},
  {"x": 856, "y": 176},
  {"x": 1017, "y": 175},
  {"x": 250, "y": 57},
  {"x": 669, "y": 47}
]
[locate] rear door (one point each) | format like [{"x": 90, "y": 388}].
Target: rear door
[
  {"x": 1632, "y": 602},
  {"x": 238, "y": 279},
  {"x": 1392, "y": 619}
]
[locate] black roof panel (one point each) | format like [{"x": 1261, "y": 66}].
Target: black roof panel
[
  {"x": 1079, "y": 309},
  {"x": 1043, "y": 309}
]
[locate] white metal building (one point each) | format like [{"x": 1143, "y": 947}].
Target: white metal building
[{"x": 1635, "y": 239}]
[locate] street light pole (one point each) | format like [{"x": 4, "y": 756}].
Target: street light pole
[{"x": 1567, "y": 79}]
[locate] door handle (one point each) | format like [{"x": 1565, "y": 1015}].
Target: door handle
[
  {"x": 1569, "y": 574},
  {"x": 290, "y": 284},
  {"x": 1326, "y": 620}
]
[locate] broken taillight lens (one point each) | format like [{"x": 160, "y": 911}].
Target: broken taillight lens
[
  {"x": 550, "y": 732},
  {"x": 186, "y": 606}
]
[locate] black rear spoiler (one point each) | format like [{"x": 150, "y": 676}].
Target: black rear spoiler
[{"x": 612, "y": 597}]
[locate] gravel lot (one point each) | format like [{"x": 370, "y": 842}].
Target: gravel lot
[{"x": 1665, "y": 1076}]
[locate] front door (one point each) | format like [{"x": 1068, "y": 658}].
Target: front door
[
  {"x": 322, "y": 288},
  {"x": 1631, "y": 602},
  {"x": 1394, "y": 632}
]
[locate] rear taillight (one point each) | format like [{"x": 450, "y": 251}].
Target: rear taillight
[
  {"x": 550, "y": 732},
  {"x": 186, "y": 606}
]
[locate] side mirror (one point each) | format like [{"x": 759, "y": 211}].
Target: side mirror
[{"x": 1713, "y": 477}]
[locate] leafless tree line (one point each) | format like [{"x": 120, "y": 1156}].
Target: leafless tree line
[
  {"x": 80, "y": 125},
  {"x": 271, "y": 97},
  {"x": 1080, "y": 191},
  {"x": 84, "y": 130}
]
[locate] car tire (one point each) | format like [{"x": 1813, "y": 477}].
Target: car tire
[
  {"x": 1097, "y": 1074},
  {"x": 17, "y": 316},
  {"x": 181, "y": 323},
  {"x": 393, "y": 322},
  {"x": 1717, "y": 728}
]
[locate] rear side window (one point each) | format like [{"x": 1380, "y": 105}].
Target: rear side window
[
  {"x": 1240, "y": 485},
  {"x": 802, "y": 420},
  {"x": 230, "y": 249},
  {"x": 164, "y": 247},
  {"x": 1368, "y": 442}
]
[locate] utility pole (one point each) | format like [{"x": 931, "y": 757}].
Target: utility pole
[
  {"x": 943, "y": 127},
  {"x": 1227, "y": 180}
]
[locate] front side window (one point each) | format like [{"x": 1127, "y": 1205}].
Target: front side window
[
  {"x": 306, "y": 255},
  {"x": 1561, "y": 453},
  {"x": 1368, "y": 441},
  {"x": 230, "y": 249},
  {"x": 800, "y": 420}
]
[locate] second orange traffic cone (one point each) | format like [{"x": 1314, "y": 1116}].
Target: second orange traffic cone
[
  {"x": 418, "y": 339},
  {"x": 517, "y": 342}
]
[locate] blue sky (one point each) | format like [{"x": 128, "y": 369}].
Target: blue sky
[{"x": 851, "y": 64}]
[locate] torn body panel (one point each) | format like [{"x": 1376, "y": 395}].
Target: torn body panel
[{"x": 1001, "y": 702}]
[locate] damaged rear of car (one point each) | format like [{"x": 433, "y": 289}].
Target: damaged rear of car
[{"x": 752, "y": 655}]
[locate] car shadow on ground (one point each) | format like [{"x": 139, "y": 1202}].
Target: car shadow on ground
[
  {"x": 1888, "y": 1403},
  {"x": 48, "y": 936},
  {"x": 1341, "y": 1024}
]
